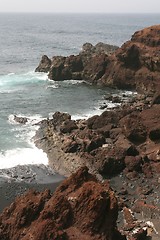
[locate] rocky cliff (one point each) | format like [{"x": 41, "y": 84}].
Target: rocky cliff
[{"x": 136, "y": 65}]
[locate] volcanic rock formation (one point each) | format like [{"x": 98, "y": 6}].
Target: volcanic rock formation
[{"x": 136, "y": 65}]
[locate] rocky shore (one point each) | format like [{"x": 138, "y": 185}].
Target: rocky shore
[{"x": 112, "y": 160}]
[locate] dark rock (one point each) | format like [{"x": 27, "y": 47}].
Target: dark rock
[
  {"x": 21, "y": 120},
  {"x": 44, "y": 65},
  {"x": 156, "y": 98},
  {"x": 154, "y": 134}
]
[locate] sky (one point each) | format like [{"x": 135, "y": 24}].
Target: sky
[{"x": 84, "y": 6}]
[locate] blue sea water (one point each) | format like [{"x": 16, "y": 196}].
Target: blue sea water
[{"x": 24, "y": 38}]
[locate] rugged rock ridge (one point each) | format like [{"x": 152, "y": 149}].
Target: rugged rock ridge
[
  {"x": 136, "y": 65},
  {"x": 81, "y": 208},
  {"x": 89, "y": 64}
]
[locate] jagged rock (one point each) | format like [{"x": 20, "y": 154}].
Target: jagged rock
[
  {"x": 81, "y": 208},
  {"x": 44, "y": 65},
  {"x": 89, "y": 64}
]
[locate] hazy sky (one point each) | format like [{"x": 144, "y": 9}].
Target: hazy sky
[{"x": 122, "y": 6}]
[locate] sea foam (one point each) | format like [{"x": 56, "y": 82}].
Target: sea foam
[{"x": 22, "y": 156}]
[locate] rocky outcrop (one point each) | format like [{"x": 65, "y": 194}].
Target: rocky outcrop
[
  {"x": 136, "y": 65},
  {"x": 81, "y": 208},
  {"x": 44, "y": 65},
  {"x": 89, "y": 64}
]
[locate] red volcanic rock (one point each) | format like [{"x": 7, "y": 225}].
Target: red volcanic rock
[{"x": 81, "y": 208}]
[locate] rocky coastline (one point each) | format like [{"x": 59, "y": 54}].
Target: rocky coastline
[{"x": 112, "y": 161}]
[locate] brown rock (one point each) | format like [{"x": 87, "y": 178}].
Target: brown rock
[
  {"x": 68, "y": 126},
  {"x": 133, "y": 128},
  {"x": 81, "y": 208},
  {"x": 44, "y": 65},
  {"x": 133, "y": 163}
]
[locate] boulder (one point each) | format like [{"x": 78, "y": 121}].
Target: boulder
[{"x": 133, "y": 128}]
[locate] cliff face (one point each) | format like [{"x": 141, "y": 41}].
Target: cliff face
[
  {"x": 136, "y": 65},
  {"x": 81, "y": 208}
]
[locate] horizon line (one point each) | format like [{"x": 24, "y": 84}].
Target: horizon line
[{"x": 40, "y": 12}]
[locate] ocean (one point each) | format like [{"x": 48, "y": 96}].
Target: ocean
[{"x": 24, "y": 38}]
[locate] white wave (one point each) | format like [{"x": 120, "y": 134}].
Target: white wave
[
  {"x": 38, "y": 75},
  {"x": 9, "y": 91},
  {"x": 74, "y": 82},
  {"x": 11, "y": 80},
  {"x": 22, "y": 156},
  {"x": 52, "y": 86},
  {"x": 23, "y": 134}
]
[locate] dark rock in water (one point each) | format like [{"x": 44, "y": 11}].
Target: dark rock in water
[
  {"x": 89, "y": 64},
  {"x": 103, "y": 106},
  {"x": 44, "y": 65},
  {"x": 81, "y": 208},
  {"x": 22, "y": 120}
]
